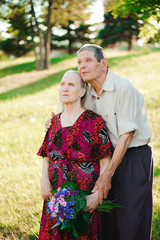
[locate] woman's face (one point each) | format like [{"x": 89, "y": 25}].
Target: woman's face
[{"x": 70, "y": 90}]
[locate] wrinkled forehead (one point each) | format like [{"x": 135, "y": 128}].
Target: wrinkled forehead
[
  {"x": 74, "y": 77},
  {"x": 86, "y": 54}
]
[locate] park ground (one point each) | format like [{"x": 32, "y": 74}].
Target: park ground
[{"x": 27, "y": 98}]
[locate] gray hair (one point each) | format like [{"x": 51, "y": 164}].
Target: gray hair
[
  {"x": 83, "y": 85},
  {"x": 78, "y": 74},
  {"x": 98, "y": 51}
]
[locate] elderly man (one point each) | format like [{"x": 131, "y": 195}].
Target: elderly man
[{"x": 130, "y": 172}]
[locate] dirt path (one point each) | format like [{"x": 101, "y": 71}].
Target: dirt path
[{"x": 17, "y": 80}]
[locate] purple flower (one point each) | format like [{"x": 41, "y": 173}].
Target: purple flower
[{"x": 75, "y": 192}]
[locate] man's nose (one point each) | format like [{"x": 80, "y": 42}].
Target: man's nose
[{"x": 82, "y": 65}]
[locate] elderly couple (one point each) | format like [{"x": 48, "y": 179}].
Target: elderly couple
[{"x": 100, "y": 142}]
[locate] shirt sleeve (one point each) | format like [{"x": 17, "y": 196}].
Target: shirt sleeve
[{"x": 130, "y": 108}]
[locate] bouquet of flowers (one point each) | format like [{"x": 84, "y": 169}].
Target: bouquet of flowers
[{"x": 67, "y": 206}]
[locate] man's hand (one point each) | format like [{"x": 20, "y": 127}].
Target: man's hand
[
  {"x": 92, "y": 202},
  {"x": 103, "y": 185},
  {"x": 48, "y": 122},
  {"x": 45, "y": 189}
]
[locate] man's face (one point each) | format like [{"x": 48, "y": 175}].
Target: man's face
[{"x": 89, "y": 68}]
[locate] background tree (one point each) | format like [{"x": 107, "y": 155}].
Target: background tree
[
  {"x": 119, "y": 29},
  {"x": 40, "y": 23},
  {"x": 19, "y": 43},
  {"x": 146, "y": 10},
  {"x": 75, "y": 34}
]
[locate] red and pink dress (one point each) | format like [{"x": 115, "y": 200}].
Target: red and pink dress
[{"x": 74, "y": 154}]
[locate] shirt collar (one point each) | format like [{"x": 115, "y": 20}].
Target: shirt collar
[{"x": 108, "y": 85}]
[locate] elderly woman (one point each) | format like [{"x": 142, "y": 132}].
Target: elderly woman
[{"x": 76, "y": 148}]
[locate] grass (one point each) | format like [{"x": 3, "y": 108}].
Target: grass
[{"x": 23, "y": 111}]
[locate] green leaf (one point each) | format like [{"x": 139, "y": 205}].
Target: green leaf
[
  {"x": 69, "y": 184},
  {"x": 65, "y": 226},
  {"x": 81, "y": 222},
  {"x": 56, "y": 225},
  {"x": 75, "y": 233},
  {"x": 53, "y": 191}
]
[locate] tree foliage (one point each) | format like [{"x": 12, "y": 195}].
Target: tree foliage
[
  {"x": 146, "y": 10},
  {"x": 119, "y": 29},
  {"x": 78, "y": 33},
  {"x": 33, "y": 20}
]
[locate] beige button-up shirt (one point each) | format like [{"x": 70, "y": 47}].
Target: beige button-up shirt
[{"x": 122, "y": 107}]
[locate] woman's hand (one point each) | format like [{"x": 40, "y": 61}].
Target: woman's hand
[
  {"x": 46, "y": 188},
  {"x": 92, "y": 202}
]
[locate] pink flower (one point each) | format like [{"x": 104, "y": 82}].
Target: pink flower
[
  {"x": 53, "y": 200},
  {"x": 63, "y": 203},
  {"x": 58, "y": 189}
]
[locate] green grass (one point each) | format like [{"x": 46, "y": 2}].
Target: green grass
[
  {"x": 28, "y": 66},
  {"x": 22, "y": 117}
]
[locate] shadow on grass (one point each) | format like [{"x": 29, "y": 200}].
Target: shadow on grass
[
  {"x": 29, "y": 66},
  {"x": 53, "y": 79},
  {"x": 10, "y": 232},
  {"x": 34, "y": 87},
  {"x": 156, "y": 171}
]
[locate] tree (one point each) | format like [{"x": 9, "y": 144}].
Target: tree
[
  {"x": 18, "y": 44},
  {"x": 74, "y": 33},
  {"x": 52, "y": 13},
  {"x": 145, "y": 10},
  {"x": 119, "y": 29}
]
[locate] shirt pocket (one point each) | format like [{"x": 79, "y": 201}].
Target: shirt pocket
[{"x": 110, "y": 119}]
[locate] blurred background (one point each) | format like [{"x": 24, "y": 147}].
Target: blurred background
[{"x": 38, "y": 43}]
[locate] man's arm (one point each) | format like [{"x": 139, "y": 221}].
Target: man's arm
[{"x": 103, "y": 184}]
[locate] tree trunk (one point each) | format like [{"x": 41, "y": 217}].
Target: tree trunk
[
  {"x": 130, "y": 43},
  {"x": 34, "y": 45},
  {"x": 48, "y": 37},
  {"x": 41, "y": 54}
]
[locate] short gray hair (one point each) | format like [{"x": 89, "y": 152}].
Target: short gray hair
[{"x": 98, "y": 51}]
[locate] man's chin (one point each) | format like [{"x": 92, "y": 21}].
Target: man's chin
[{"x": 86, "y": 79}]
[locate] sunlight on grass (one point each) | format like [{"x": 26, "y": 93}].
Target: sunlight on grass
[{"x": 22, "y": 130}]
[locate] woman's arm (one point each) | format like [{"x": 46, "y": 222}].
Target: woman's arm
[{"x": 45, "y": 183}]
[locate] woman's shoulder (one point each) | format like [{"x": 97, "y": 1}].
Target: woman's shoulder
[
  {"x": 90, "y": 115},
  {"x": 55, "y": 119}
]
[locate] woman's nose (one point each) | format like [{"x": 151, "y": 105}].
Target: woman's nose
[{"x": 65, "y": 87}]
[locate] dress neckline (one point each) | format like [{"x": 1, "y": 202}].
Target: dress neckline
[{"x": 59, "y": 118}]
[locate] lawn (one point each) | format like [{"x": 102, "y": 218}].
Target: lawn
[{"x": 26, "y": 103}]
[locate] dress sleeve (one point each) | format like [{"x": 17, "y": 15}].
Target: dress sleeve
[
  {"x": 43, "y": 149},
  {"x": 103, "y": 147}
]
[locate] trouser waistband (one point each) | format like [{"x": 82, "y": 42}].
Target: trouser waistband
[{"x": 136, "y": 148}]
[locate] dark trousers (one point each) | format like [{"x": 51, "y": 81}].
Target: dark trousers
[{"x": 132, "y": 188}]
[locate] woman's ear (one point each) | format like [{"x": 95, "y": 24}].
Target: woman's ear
[{"x": 83, "y": 91}]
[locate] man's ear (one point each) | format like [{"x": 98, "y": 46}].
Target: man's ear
[{"x": 105, "y": 63}]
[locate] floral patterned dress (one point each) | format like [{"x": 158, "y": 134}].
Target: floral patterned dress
[{"x": 74, "y": 154}]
